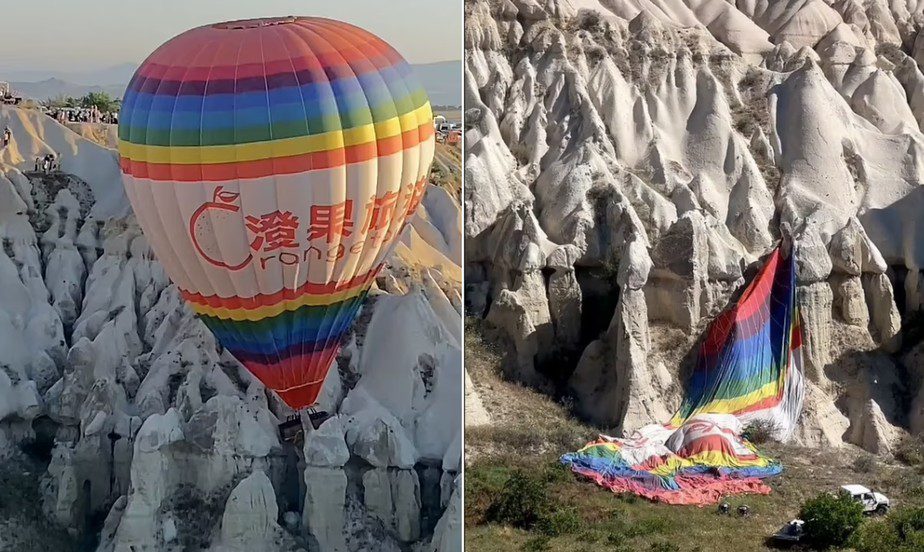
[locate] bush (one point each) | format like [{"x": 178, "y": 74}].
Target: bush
[
  {"x": 539, "y": 543},
  {"x": 875, "y": 536},
  {"x": 902, "y": 531},
  {"x": 830, "y": 519},
  {"x": 865, "y": 463},
  {"x": 523, "y": 502},
  {"x": 663, "y": 546},
  {"x": 560, "y": 522},
  {"x": 910, "y": 450},
  {"x": 759, "y": 431}
]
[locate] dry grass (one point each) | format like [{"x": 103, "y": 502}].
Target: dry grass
[{"x": 523, "y": 420}]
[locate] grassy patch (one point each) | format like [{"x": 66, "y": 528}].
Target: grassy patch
[
  {"x": 529, "y": 432},
  {"x": 598, "y": 518}
]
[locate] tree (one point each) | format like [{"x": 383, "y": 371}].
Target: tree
[
  {"x": 831, "y": 519},
  {"x": 63, "y": 101},
  {"x": 101, "y": 100}
]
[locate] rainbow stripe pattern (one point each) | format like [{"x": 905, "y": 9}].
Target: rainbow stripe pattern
[
  {"x": 748, "y": 369},
  {"x": 271, "y": 164}
]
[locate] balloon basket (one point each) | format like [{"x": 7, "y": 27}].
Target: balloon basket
[
  {"x": 291, "y": 430},
  {"x": 317, "y": 417}
]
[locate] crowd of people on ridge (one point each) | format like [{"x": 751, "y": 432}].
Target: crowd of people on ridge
[{"x": 83, "y": 115}]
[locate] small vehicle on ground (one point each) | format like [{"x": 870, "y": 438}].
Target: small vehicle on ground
[
  {"x": 791, "y": 533},
  {"x": 873, "y": 502}
]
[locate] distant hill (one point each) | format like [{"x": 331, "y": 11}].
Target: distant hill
[
  {"x": 114, "y": 75},
  {"x": 442, "y": 80},
  {"x": 54, "y": 87}
]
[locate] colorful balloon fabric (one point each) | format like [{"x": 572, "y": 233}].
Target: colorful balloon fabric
[
  {"x": 271, "y": 164},
  {"x": 749, "y": 369}
]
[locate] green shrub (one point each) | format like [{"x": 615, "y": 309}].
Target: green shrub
[
  {"x": 759, "y": 431},
  {"x": 910, "y": 450},
  {"x": 901, "y": 531},
  {"x": 560, "y": 522},
  {"x": 539, "y": 543},
  {"x": 523, "y": 501},
  {"x": 865, "y": 463},
  {"x": 663, "y": 546},
  {"x": 875, "y": 536},
  {"x": 830, "y": 519}
]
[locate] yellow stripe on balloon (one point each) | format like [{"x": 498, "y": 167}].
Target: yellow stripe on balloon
[
  {"x": 284, "y": 147},
  {"x": 732, "y": 406}
]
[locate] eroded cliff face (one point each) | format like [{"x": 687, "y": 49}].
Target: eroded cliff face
[
  {"x": 629, "y": 163},
  {"x": 159, "y": 439}
]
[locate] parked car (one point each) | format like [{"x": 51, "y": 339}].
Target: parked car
[{"x": 873, "y": 502}]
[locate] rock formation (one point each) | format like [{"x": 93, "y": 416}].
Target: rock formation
[
  {"x": 158, "y": 439},
  {"x": 631, "y": 163}
]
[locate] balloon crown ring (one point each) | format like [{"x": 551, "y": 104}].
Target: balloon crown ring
[{"x": 255, "y": 23}]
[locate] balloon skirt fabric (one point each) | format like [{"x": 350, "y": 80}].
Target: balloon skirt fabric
[
  {"x": 272, "y": 164},
  {"x": 748, "y": 369}
]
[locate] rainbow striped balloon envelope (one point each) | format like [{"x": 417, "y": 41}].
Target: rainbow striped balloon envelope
[
  {"x": 749, "y": 369},
  {"x": 271, "y": 164}
]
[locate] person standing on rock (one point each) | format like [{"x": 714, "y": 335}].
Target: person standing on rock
[
  {"x": 7, "y": 136},
  {"x": 37, "y": 162}
]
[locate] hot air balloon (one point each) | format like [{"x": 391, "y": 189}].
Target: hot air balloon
[{"x": 271, "y": 164}]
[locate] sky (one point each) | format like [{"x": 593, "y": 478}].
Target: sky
[{"x": 72, "y": 35}]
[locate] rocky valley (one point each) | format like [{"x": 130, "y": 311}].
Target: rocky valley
[
  {"x": 124, "y": 426},
  {"x": 629, "y": 163}
]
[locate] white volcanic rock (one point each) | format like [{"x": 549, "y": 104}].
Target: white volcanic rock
[
  {"x": 475, "y": 412},
  {"x": 881, "y": 100},
  {"x": 325, "y": 503},
  {"x": 613, "y": 383},
  {"x": 378, "y": 437},
  {"x": 661, "y": 146},
  {"x": 35, "y": 135},
  {"x": 853, "y": 253},
  {"x": 447, "y": 537},
  {"x": 850, "y": 300},
  {"x": 152, "y": 475},
  {"x": 412, "y": 393},
  {"x": 326, "y": 447},
  {"x": 822, "y": 424},
  {"x": 885, "y": 321},
  {"x": 393, "y": 497},
  {"x": 153, "y": 417},
  {"x": 249, "y": 519}
]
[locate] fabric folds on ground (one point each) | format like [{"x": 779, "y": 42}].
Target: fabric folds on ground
[{"x": 748, "y": 371}]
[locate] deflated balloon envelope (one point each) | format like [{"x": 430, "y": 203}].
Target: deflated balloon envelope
[{"x": 271, "y": 164}]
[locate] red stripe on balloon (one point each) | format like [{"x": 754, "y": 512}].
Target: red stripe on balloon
[
  {"x": 158, "y": 78},
  {"x": 259, "y": 301},
  {"x": 301, "y": 391}
]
